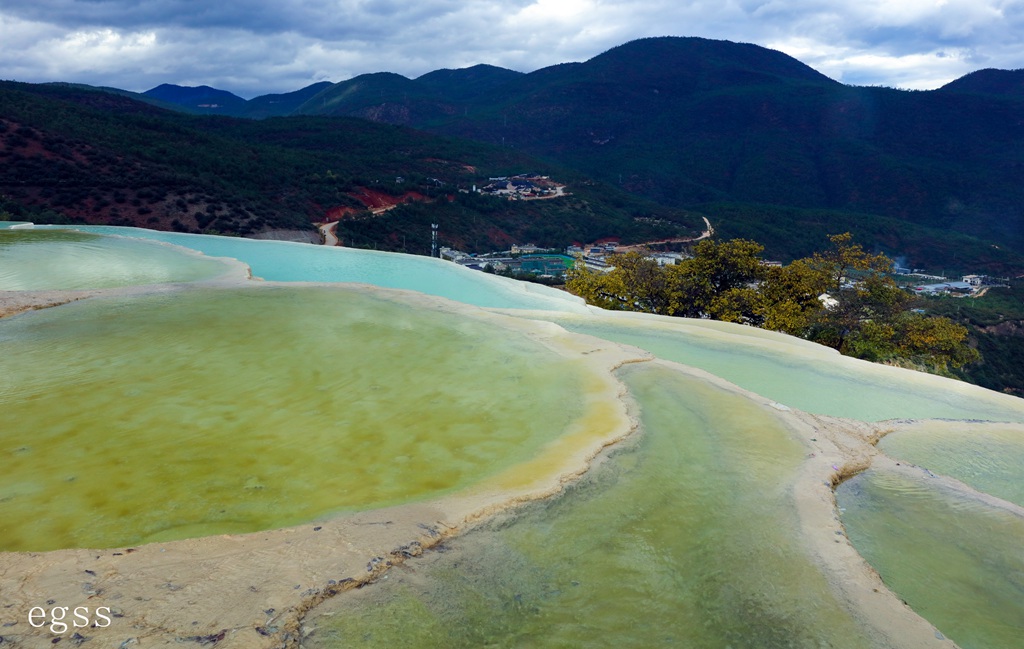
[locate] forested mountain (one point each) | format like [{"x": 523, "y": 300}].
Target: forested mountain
[
  {"x": 1001, "y": 83},
  {"x": 283, "y": 104},
  {"x": 198, "y": 99},
  {"x": 467, "y": 83},
  {"x": 71, "y": 153},
  {"x": 764, "y": 145},
  {"x": 204, "y": 100},
  {"x": 708, "y": 125}
]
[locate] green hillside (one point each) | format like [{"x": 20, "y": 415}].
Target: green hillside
[
  {"x": 996, "y": 323},
  {"x": 1002, "y": 83},
  {"x": 467, "y": 83},
  {"x": 70, "y": 153},
  {"x": 691, "y": 123},
  {"x": 202, "y": 100},
  {"x": 282, "y": 104}
]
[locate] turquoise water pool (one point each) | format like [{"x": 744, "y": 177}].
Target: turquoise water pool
[
  {"x": 44, "y": 259},
  {"x": 808, "y": 377},
  {"x": 286, "y": 261}
]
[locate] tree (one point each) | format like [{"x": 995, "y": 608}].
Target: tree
[
  {"x": 854, "y": 291},
  {"x": 874, "y": 298},
  {"x": 845, "y": 258},
  {"x": 791, "y": 297},
  {"x": 710, "y": 284},
  {"x": 636, "y": 283},
  {"x": 936, "y": 340},
  {"x": 842, "y": 298}
]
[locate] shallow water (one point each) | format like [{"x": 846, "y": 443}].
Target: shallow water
[
  {"x": 989, "y": 458},
  {"x": 126, "y": 420},
  {"x": 957, "y": 561},
  {"x": 32, "y": 259},
  {"x": 297, "y": 262},
  {"x": 802, "y": 377},
  {"x": 686, "y": 538},
  {"x": 209, "y": 411}
]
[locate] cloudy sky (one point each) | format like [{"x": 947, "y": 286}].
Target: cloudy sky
[{"x": 253, "y": 47}]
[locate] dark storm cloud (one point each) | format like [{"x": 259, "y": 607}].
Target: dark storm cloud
[{"x": 320, "y": 19}]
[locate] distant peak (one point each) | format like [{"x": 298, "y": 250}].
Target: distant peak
[
  {"x": 473, "y": 70},
  {"x": 668, "y": 55},
  {"x": 203, "y": 96},
  {"x": 989, "y": 81}
]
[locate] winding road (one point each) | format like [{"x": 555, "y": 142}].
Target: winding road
[{"x": 327, "y": 229}]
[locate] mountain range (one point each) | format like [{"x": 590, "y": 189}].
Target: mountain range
[
  {"x": 723, "y": 128},
  {"x": 763, "y": 145},
  {"x": 71, "y": 153}
]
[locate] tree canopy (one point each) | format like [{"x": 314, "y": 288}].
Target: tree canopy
[{"x": 842, "y": 297}]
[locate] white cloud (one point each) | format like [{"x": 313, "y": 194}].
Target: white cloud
[{"x": 257, "y": 46}]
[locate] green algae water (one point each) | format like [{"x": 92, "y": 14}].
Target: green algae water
[
  {"x": 32, "y": 260},
  {"x": 686, "y": 537},
  {"x": 957, "y": 561},
  {"x": 989, "y": 458},
  {"x": 802, "y": 375},
  {"x": 188, "y": 413}
]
